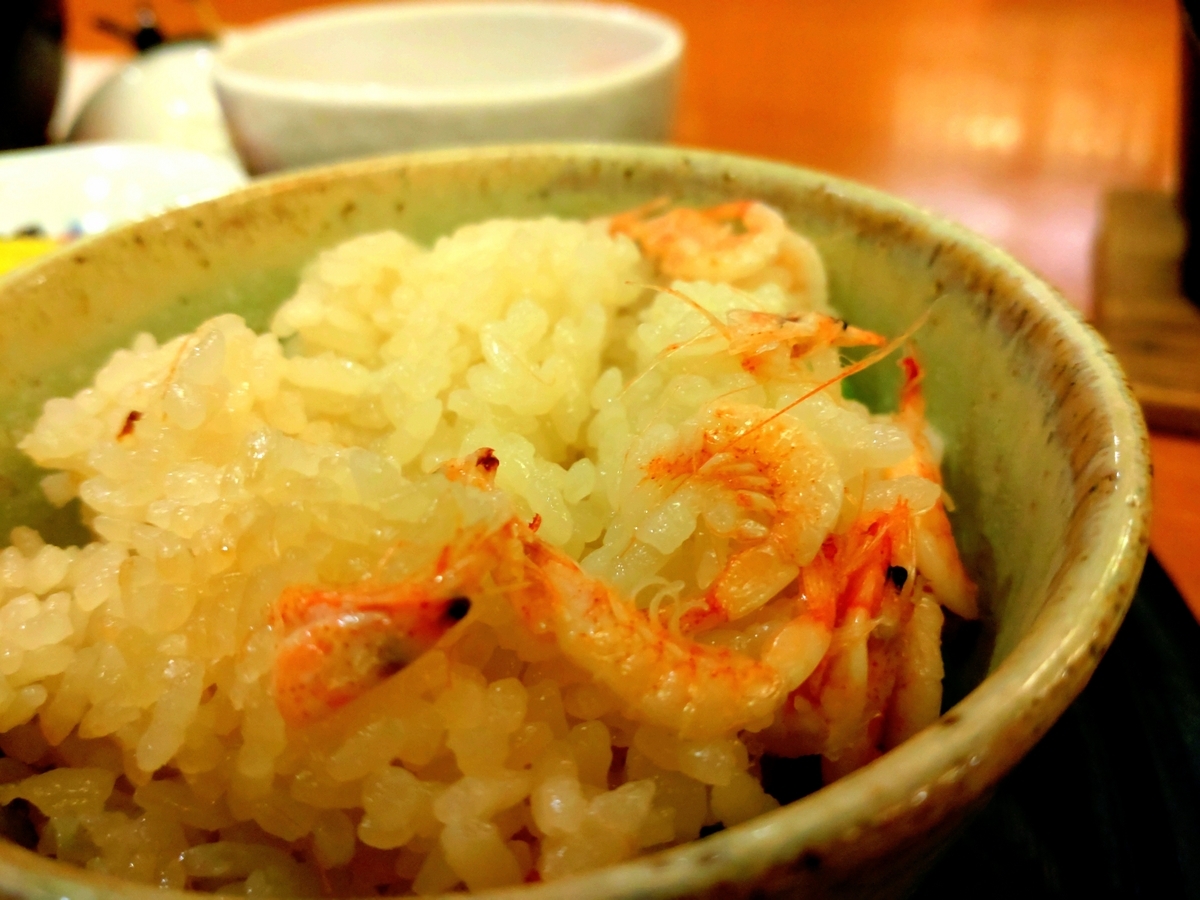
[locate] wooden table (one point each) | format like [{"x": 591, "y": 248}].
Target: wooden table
[{"x": 1009, "y": 116}]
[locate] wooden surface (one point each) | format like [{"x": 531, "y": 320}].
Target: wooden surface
[
  {"x": 1152, "y": 328},
  {"x": 1175, "y": 536},
  {"x": 1011, "y": 116}
]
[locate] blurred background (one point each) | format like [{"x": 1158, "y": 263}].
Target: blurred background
[{"x": 1008, "y": 115}]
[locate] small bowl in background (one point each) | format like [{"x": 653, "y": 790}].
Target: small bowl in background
[
  {"x": 162, "y": 96},
  {"x": 336, "y": 84}
]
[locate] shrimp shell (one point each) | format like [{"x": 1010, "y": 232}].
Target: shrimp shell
[
  {"x": 732, "y": 242},
  {"x": 937, "y": 553},
  {"x": 340, "y": 642},
  {"x": 773, "y": 469},
  {"x": 667, "y": 680}
]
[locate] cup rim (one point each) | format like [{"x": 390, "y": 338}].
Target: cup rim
[{"x": 229, "y": 77}]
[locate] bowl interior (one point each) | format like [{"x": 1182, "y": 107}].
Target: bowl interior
[
  {"x": 1045, "y": 450},
  {"x": 426, "y": 49}
]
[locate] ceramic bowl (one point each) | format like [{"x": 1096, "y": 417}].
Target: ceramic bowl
[
  {"x": 86, "y": 189},
  {"x": 335, "y": 84},
  {"x": 1046, "y": 456},
  {"x": 163, "y": 96}
]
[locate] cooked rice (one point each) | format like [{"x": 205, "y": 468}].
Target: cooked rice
[{"x": 215, "y": 469}]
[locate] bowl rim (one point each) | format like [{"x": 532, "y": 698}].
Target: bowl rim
[
  {"x": 230, "y": 78},
  {"x": 1017, "y": 702}
]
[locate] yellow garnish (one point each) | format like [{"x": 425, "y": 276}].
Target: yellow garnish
[{"x": 17, "y": 251}]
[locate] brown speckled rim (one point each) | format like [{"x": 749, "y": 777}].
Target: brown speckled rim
[{"x": 928, "y": 781}]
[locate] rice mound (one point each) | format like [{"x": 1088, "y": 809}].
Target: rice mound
[{"x": 136, "y": 713}]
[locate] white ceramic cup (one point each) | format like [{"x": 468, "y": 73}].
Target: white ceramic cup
[
  {"x": 163, "y": 96},
  {"x": 354, "y": 81}
]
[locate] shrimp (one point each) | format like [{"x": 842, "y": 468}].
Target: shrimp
[
  {"x": 917, "y": 698},
  {"x": 880, "y": 680},
  {"x": 340, "y": 642},
  {"x": 874, "y": 605},
  {"x": 732, "y": 242},
  {"x": 902, "y": 692},
  {"x": 782, "y": 492},
  {"x": 771, "y": 468},
  {"x": 344, "y": 641},
  {"x": 785, "y": 490},
  {"x": 937, "y": 553},
  {"x": 841, "y": 708},
  {"x": 697, "y": 691},
  {"x": 768, "y": 344},
  {"x": 667, "y": 679},
  {"x": 353, "y": 638}
]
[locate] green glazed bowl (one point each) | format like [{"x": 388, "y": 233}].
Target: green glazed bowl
[{"x": 1046, "y": 455}]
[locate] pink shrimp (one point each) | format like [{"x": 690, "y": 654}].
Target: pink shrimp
[
  {"x": 349, "y": 640},
  {"x": 785, "y": 489},
  {"x": 767, "y": 344},
  {"x": 340, "y": 642},
  {"x": 840, "y": 709},
  {"x": 875, "y": 558},
  {"x": 881, "y": 678},
  {"x": 344, "y": 641},
  {"x": 854, "y": 585},
  {"x": 775, "y": 472},
  {"x": 697, "y": 691},
  {"x": 732, "y": 242},
  {"x": 937, "y": 553}
]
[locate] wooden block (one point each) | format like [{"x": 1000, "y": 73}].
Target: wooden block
[{"x": 1154, "y": 331}]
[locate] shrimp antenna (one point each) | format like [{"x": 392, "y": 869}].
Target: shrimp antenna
[
  {"x": 523, "y": 363},
  {"x": 713, "y": 318},
  {"x": 184, "y": 346},
  {"x": 865, "y": 363},
  {"x": 733, "y": 392},
  {"x": 671, "y": 349},
  {"x": 388, "y": 556}
]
